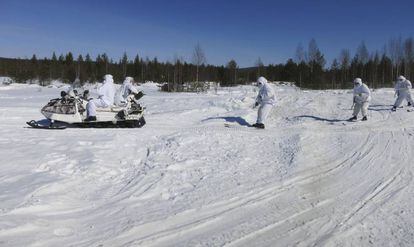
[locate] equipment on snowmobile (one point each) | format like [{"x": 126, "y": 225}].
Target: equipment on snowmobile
[
  {"x": 139, "y": 95},
  {"x": 70, "y": 111}
]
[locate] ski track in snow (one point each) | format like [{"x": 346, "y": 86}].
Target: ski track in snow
[{"x": 309, "y": 179}]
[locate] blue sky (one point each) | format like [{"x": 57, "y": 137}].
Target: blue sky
[{"x": 240, "y": 30}]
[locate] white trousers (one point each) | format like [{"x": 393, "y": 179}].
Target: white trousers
[
  {"x": 403, "y": 95},
  {"x": 361, "y": 107},
  {"x": 93, "y": 104},
  {"x": 263, "y": 112}
]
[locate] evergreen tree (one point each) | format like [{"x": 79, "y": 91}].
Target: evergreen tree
[
  {"x": 79, "y": 67},
  {"x": 334, "y": 73},
  {"x": 137, "y": 67},
  {"x": 33, "y": 69},
  {"x": 232, "y": 69},
  {"x": 124, "y": 63},
  {"x": 70, "y": 71},
  {"x": 54, "y": 67}
]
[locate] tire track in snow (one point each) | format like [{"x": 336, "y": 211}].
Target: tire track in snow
[
  {"x": 188, "y": 227},
  {"x": 357, "y": 158},
  {"x": 380, "y": 195},
  {"x": 256, "y": 197},
  {"x": 390, "y": 188}
]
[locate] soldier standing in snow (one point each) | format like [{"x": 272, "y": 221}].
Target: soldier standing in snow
[
  {"x": 402, "y": 90},
  {"x": 362, "y": 97},
  {"x": 106, "y": 98},
  {"x": 265, "y": 100}
]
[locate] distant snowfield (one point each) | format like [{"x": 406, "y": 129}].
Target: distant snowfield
[{"x": 184, "y": 179}]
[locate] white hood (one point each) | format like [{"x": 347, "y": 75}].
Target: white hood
[
  {"x": 128, "y": 80},
  {"x": 261, "y": 81},
  {"x": 266, "y": 94},
  {"x": 108, "y": 78},
  {"x": 401, "y": 78}
]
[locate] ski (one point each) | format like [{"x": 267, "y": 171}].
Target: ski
[{"x": 232, "y": 125}]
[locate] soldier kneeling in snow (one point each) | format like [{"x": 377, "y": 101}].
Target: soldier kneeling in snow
[
  {"x": 362, "y": 97},
  {"x": 265, "y": 100}
]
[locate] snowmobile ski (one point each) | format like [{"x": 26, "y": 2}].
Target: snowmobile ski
[
  {"x": 111, "y": 124},
  {"x": 36, "y": 125}
]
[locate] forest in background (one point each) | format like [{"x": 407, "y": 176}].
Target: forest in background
[{"x": 307, "y": 69}]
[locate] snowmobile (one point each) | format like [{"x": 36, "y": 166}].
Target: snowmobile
[{"x": 70, "y": 111}]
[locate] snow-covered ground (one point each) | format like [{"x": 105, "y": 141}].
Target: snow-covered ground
[{"x": 184, "y": 179}]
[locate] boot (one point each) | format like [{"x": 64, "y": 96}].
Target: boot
[
  {"x": 364, "y": 118},
  {"x": 90, "y": 119},
  {"x": 353, "y": 118},
  {"x": 258, "y": 125}
]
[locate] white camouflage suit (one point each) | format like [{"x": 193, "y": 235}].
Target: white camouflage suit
[
  {"x": 106, "y": 96},
  {"x": 265, "y": 99},
  {"x": 126, "y": 89},
  {"x": 362, "y": 97},
  {"x": 402, "y": 90}
]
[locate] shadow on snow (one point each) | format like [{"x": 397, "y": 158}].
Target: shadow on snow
[
  {"x": 322, "y": 119},
  {"x": 238, "y": 120}
]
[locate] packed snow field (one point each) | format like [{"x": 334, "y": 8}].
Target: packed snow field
[{"x": 184, "y": 179}]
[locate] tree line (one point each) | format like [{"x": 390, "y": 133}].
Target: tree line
[{"x": 307, "y": 69}]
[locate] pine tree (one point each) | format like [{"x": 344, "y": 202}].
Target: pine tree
[
  {"x": 137, "y": 67},
  {"x": 70, "y": 74},
  {"x": 54, "y": 67},
  {"x": 33, "y": 74},
  {"x": 232, "y": 68},
  {"x": 79, "y": 65},
  {"x": 124, "y": 63},
  {"x": 334, "y": 72}
]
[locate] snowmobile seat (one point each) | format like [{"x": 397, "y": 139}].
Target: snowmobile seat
[{"x": 110, "y": 109}]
